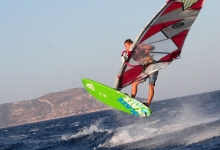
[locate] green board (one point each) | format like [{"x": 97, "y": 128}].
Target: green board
[{"x": 116, "y": 99}]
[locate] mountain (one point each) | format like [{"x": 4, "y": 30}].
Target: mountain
[{"x": 50, "y": 106}]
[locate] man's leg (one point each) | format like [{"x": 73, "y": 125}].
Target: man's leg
[
  {"x": 152, "y": 81},
  {"x": 150, "y": 94},
  {"x": 134, "y": 89}
]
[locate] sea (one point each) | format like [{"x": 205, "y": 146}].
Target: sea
[{"x": 183, "y": 123}]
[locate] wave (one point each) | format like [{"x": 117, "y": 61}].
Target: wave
[
  {"x": 94, "y": 128},
  {"x": 187, "y": 125}
]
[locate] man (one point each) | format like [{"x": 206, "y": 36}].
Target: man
[
  {"x": 127, "y": 45},
  {"x": 152, "y": 77}
]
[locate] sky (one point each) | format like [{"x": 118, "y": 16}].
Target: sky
[{"x": 49, "y": 46}]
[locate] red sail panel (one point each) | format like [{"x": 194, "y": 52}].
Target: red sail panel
[
  {"x": 180, "y": 39},
  {"x": 131, "y": 74},
  {"x": 156, "y": 28},
  {"x": 173, "y": 6}
]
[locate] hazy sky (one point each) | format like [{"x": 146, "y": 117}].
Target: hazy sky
[{"x": 49, "y": 46}]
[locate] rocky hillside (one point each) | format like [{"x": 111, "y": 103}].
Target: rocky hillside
[{"x": 54, "y": 105}]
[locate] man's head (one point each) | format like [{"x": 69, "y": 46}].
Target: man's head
[{"x": 128, "y": 44}]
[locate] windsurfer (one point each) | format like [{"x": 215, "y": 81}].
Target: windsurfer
[
  {"x": 127, "y": 45},
  {"x": 152, "y": 77}
]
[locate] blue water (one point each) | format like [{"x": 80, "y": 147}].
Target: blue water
[{"x": 190, "y": 123}]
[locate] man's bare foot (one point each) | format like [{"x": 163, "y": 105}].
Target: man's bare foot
[{"x": 146, "y": 104}]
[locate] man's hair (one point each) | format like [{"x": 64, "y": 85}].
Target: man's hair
[{"x": 128, "y": 41}]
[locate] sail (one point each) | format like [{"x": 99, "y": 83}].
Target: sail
[{"x": 160, "y": 42}]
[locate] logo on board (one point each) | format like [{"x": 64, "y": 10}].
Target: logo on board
[{"x": 90, "y": 86}]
